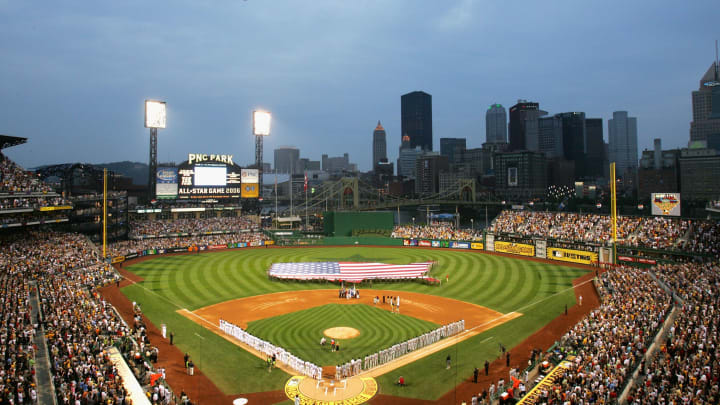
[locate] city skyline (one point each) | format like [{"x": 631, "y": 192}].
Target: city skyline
[{"x": 78, "y": 75}]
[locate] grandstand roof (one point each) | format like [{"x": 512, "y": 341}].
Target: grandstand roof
[{"x": 7, "y": 141}]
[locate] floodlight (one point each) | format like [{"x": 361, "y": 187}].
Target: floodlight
[
  {"x": 261, "y": 122},
  {"x": 155, "y": 116}
]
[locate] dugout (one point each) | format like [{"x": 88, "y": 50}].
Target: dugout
[{"x": 343, "y": 223}]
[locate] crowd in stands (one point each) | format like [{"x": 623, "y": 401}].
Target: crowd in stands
[
  {"x": 686, "y": 369},
  {"x": 124, "y": 247},
  {"x": 435, "y": 231},
  {"x": 611, "y": 342},
  {"x": 650, "y": 232},
  {"x": 78, "y": 324},
  {"x": 159, "y": 227},
  {"x": 17, "y": 372},
  {"x": 13, "y": 179}
]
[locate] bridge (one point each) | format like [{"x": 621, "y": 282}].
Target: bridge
[{"x": 351, "y": 193}]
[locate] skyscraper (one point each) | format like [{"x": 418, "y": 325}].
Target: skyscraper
[
  {"x": 706, "y": 106},
  {"x": 622, "y": 133},
  {"x": 523, "y": 126},
  {"x": 496, "y": 124},
  {"x": 594, "y": 148},
  {"x": 416, "y": 119},
  {"x": 550, "y": 137},
  {"x": 379, "y": 146}
]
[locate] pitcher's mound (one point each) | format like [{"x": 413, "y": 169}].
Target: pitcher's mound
[{"x": 341, "y": 332}]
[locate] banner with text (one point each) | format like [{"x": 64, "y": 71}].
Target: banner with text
[
  {"x": 573, "y": 256},
  {"x": 514, "y": 248}
]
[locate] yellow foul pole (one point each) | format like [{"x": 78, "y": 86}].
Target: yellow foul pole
[
  {"x": 104, "y": 213},
  {"x": 613, "y": 209}
]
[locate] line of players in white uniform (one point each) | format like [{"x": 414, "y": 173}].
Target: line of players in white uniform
[
  {"x": 354, "y": 367},
  {"x": 281, "y": 355}
]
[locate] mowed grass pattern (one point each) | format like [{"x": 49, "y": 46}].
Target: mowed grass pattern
[
  {"x": 300, "y": 332},
  {"x": 539, "y": 290}
]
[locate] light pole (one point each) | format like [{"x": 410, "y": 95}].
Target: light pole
[
  {"x": 413, "y": 222},
  {"x": 472, "y": 224},
  {"x": 155, "y": 117},
  {"x": 261, "y": 128}
]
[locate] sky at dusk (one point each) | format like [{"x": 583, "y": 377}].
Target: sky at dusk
[{"x": 74, "y": 75}]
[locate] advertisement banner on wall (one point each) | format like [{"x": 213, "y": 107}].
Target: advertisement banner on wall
[
  {"x": 476, "y": 246},
  {"x": 573, "y": 256},
  {"x": 490, "y": 243},
  {"x": 167, "y": 182},
  {"x": 541, "y": 248},
  {"x": 515, "y": 248},
  {"x": 250, "y": 176},
  {"x": 249, "y": 191},
  {"x": 459, "y": 245},
  {"x": 424, "y": 243},
  {"x": 435, "y": 243}
]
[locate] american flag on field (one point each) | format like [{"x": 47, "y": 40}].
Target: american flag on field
[{"x": 348, "y": 271}]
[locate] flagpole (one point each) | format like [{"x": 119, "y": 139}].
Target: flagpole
[{"x": 306, "y": 203}]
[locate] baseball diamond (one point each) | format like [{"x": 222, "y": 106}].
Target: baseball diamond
[{"x": 189, "y": 293}]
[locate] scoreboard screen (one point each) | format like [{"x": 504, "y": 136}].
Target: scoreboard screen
[{"x": 210, "y": 176}]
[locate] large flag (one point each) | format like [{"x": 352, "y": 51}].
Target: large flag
[
  {"x": 305, "y": 187},
  {"x": 348, "y": 271}
]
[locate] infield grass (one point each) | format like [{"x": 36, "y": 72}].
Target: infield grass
[{"x": 539, "y": 291}]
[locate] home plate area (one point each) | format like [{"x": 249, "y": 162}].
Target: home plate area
[{"x": 354, "y": 390}]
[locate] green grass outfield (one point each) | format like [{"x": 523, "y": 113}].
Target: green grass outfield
[
  {"x": 538, "y": 290},
  {"x": 300, "y": 332}
]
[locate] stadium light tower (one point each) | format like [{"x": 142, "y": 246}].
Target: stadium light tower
[
  {"x": 155, "y": 117},
  {"x": 261, "y": 128}
]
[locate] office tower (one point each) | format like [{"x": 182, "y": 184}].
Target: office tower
[
  {"x": 550, "y": 137},
  {"x": 407, "y": 157},
  {"x": 452, "y": 147},
  {"x": 427, "y": 172},
  {"x": 594, "y": 149},
  {"x": 706, "y": 106},
  {"x": 379, "y": 146},
  {"x": 523, "y": 126},
  {"x": 699, "y": 173},
  {"x": 622, "y": 133},
  {"x": 337, "y": 164},
  {"x": 286, "y": 159},
  {"x": 416, "y": 119},
  {"x": 496, "y": 124},
  {"x": 521, "y": 174}
]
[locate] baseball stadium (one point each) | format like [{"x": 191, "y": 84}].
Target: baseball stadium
[{"x": 201, "y": 297}]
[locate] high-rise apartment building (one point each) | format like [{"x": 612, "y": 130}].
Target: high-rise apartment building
[
  {"x": 622, "y": 134},
  {"x": 496, "y": 124},
  {"x": 427, "y": 172},
  {"x": 379, "y": 146},
  {"x": 706, "y": 106},
  {"x": 416, "y": 119},
  {"x": 523, "y": 125}
]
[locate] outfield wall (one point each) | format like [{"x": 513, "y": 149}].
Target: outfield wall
[{"x": 343, "y": 223}]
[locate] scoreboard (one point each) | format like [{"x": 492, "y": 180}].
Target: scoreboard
[{"x": 205, "y": 176}]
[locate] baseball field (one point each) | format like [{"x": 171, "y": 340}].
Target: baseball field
[{"x": 503, "y": 300}]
